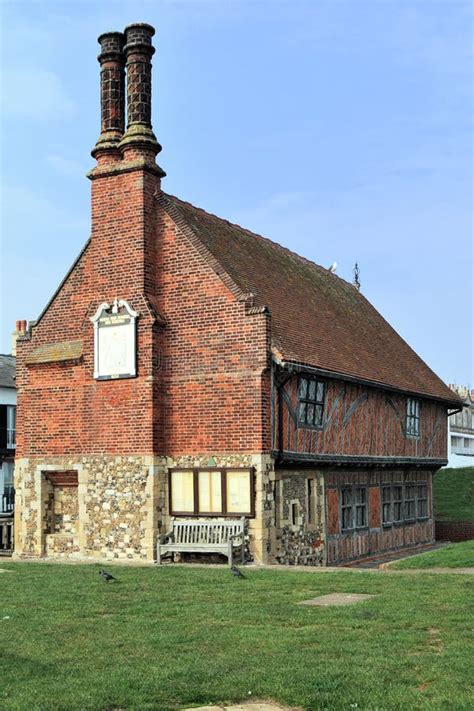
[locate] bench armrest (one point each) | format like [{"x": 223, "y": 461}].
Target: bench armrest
[{"x": 165, "y": 537}]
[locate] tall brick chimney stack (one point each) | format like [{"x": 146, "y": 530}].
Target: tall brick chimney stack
[
  {"x": 139, "y": 140},
  {"x": 126, "y": 179},
  {"x": 112, "y": 97}
]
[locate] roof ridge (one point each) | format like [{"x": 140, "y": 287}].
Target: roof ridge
[{"x": 272, "y": 242}]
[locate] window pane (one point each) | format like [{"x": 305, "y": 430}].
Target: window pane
[
  {"x": 346, "y": 497},
  {"x": 302, "y": 388},
  {"x": 318, "y": 415},
  {"x": 7, "y": 468},
  {"x": 303, "y": 412},
  {"x": 210, "y": 495},
  {"x": 312, "y": 390},
  {"x": 347, "y": 517},
  {"x": 182, "y": 491},
  {"x": 238, "y": 492},
  {"x": 361, "y": 495},
  {"x": 320, "y": 394},
  {"x": 397, "y": 511},
  {"x": 386, "y": 513},
  {"x": 310, "y": 415},
  {"x": 360, "y": 516},
  {"x": 11, "y": 412}
]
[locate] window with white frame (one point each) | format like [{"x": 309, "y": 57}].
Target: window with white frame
[
  {"x": 413, "y": 417},
  {"x": 11, "y": 426}
]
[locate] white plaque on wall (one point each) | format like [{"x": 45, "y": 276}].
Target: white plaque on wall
[{"x": 114, "y": 341}]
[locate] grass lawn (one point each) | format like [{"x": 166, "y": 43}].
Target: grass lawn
[
  {"x": 453, "y": 494},
  {"x": 457, "y": 555},
  {"x": 171, "y": 637}
]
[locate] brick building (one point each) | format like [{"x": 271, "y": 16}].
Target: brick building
[{"x": 186, "y": 366}]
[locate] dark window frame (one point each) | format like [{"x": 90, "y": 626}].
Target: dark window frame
[
  {"x": 354, "y": 506},
  {"x": 413, "y": 418},
  {"x": 398, "y": 501},
  {"x": 409, "y": 502},
  {"x": 361, "y": 507},
  {"x": 196, "y": 513},
  {"x": 387, "y": 502},
  {"x": 315, "y": 402},
  {"x": 423, "y": 516}
]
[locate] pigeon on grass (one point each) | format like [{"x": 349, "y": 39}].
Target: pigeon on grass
[
  {"x": 106, "y": 577},
  {"x": 236, "y": 572}
]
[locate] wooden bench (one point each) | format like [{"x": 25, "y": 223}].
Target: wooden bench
[{"x": 193, "y": 536}]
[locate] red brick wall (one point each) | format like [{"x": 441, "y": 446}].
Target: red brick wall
[
  {"x": 212, "y": 384},
  {"x": 200, "y": 385},
  {"x": 454, "y": 531},
  {"x": 375, "y": 427}
]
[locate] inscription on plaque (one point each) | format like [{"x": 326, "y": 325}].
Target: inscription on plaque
[{"x": 114, "y": 341}]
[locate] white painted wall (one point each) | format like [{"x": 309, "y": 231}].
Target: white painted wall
[
  {"x": 457, "y": 461},
  {"x": 7, "y": 396}
]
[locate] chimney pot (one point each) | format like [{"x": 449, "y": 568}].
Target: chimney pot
[
  {"x": 112, "y": 95},
  {"x": 139, "y": 139}
]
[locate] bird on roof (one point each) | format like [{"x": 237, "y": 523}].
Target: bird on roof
[
  {"x": 106, "y": 577},
  {"x": 236, "y": 572},
  {"x": 333, "y": 268}
]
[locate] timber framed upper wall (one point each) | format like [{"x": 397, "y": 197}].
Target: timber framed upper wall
[{"x": 361, "y": 426}]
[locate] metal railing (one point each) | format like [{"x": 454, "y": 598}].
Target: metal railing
[
  {"x": 8, "y": 437},
  {"x": 7, "y": 501}
]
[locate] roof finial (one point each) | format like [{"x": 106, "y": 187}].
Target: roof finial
[{"x": 356, "y": 279}]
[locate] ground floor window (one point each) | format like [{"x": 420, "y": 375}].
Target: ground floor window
[
  {"x": 212, "y": 492},
  {"x": 410, "y": 504},
  {"x": 353, "y": 507},
  {"x": 361, "y": 507},
  {"x": 422, "y": 501},
  {"x": 407, "y": 502}
]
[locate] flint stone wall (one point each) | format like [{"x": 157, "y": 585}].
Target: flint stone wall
[
  {"x": 115, "y": 516},
  {"x": 302, "y": 542}
]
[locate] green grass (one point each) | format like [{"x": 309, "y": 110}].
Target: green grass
[
  {"x": 172, "y": 637},
  {"x": 457, "y": 555},
  {"x": 453, "y": 494}
]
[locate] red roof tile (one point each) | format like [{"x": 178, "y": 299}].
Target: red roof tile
[{"x": 317, "y": 318}]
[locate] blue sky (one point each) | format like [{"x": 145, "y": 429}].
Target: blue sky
[{"x": 339, "y": 128}]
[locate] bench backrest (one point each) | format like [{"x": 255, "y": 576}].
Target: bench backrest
[{"x": 217, "y": 532}]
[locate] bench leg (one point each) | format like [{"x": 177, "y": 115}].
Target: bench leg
[
  {"x": 230, "y": 554},
  {"x": 158, "y": 554}
]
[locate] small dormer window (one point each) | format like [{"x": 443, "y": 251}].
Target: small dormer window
[
  {"x": 311, "y": 394},
  {"x": 413, "y": 417}
]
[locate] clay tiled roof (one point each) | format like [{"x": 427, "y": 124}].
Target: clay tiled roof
[{"x": 317, "y": 318}]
